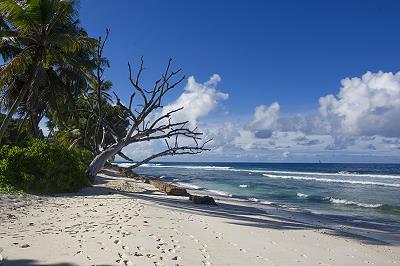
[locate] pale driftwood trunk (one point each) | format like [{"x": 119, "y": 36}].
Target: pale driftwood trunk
[
  {"x": 99, "y": 161},
  {"x": 147, "y": 129}
]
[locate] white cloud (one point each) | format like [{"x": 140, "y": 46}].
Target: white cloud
[
  {"x": 265, "y": 120},
  {"x": 198, "y": 100},
  {"x": 304, "y": 141},
  {"x": 361, "y": 120},
  {"x": 222, "y": 134},
  {"x": 365, "y": 106}
]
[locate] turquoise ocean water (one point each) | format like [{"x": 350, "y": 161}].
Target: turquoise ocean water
[{"x": 365, "y": 191}]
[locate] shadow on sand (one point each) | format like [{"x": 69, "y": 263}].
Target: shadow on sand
[
  {"x": 36, "y": 263},
  {"x": 367, "y": 232}
]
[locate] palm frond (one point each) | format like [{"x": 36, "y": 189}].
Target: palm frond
[
  {"x": 14, "y": 12},
  {"x": 20, "y": 63}
]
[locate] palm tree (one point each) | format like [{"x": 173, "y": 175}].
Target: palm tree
[{"x": 37, "y": 36}]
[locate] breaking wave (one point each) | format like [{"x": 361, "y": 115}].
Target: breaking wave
[
  {"x": 266, "y": 171},
  {"x": 329, "y": 180}
]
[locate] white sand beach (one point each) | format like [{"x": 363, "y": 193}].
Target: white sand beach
[{"x": 121, "y": 221}]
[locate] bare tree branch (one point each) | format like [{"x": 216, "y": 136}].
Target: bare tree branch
[
  {"x": 190, "y": 150},
  {"x": 145, "y": 126},
  {"x": 124, "y": 156}
]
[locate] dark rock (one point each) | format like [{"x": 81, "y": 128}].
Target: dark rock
[
  {"x": 170, "y": 189},
  {"x": 176, "y": 191},
  {"x": 202, "y": 200}
]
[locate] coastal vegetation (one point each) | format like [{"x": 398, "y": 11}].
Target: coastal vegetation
[
  {"x": 53, "y": 73},
  {"x": 42, "y": 166}
]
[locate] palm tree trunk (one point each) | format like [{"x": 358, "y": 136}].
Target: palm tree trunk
[
  {"x": 35, "y": 124},
  {"x": 27, "y": 86},
  {"x": 12, "y": 111},
  {"x": 21, "y": 124}
]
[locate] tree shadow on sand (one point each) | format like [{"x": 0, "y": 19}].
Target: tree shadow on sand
[
  {"x": 26, "y": 262},
  {"x": 269, "y": 217}
]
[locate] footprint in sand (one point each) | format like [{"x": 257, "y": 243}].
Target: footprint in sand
[
  {"x": 193, "y": 238},
  {"x": 206, "y": 263},
  {"x": 176, "y": 258},
  {"x": 219, "y": 235},
  {"x": 128, "y": 263},
  {"x": 204, "y": 251},
  {"x": 172, "y": 250},
  {"x": 206, "y": 255},
  {"x": 262, "y": 258}
]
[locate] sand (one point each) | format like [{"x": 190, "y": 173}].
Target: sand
[{"x": 125, "y": 222}]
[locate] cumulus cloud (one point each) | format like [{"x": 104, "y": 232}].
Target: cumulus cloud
[
  {"x": 341, "y": 142},
  {"x": 363, "y": 116},
  {"x": 371, "y": 147},
  {"x": 198, "y": 100},
  {"x": 223, "y": 136},
  {"x": 365, "y": 106},
  {"x": 265, "y": 120},
  {"x": 304, "y": 141},
  {"x": 391, "y": 141}
]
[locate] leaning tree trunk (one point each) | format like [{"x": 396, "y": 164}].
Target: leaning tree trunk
[
  {"x": 27, "y": 86},
  {"x": 99, "y": 161}
]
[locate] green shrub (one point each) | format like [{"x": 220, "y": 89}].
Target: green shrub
[{"x": 42, "y": 166}]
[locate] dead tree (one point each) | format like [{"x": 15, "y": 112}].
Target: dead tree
[{"x": 149, "y": 123}]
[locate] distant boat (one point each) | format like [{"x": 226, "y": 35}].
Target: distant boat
[{"x": 319, "y": 161}]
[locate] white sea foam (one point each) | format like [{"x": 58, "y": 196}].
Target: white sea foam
[
  {"x": 349, "y": 202},
  {"x": 124, "y": 164},
  {"x": 243, "y": 186},
  {"x": 328, "y": 180},
  {"x": 341, "y": 173},
  {"x": 189, "y": 186},
  {"x": 262, "y": 202},
  {"x": 267, "y": 202},
  {"x": 301, "y": 195},
  {"x": 254, "y": 199},
  {"x": 150, "y": 165},
  {"x": 227, "y": 168},
  {"x": 188, "y": 167},
  {"x": 218, "y": 192}
]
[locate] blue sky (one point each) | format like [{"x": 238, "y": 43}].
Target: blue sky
[{"x": 265, "y": 52}]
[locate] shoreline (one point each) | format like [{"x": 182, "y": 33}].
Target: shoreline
[
  {"x": 121, "y": 221},
  {"x": 309, "y": 188}
]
